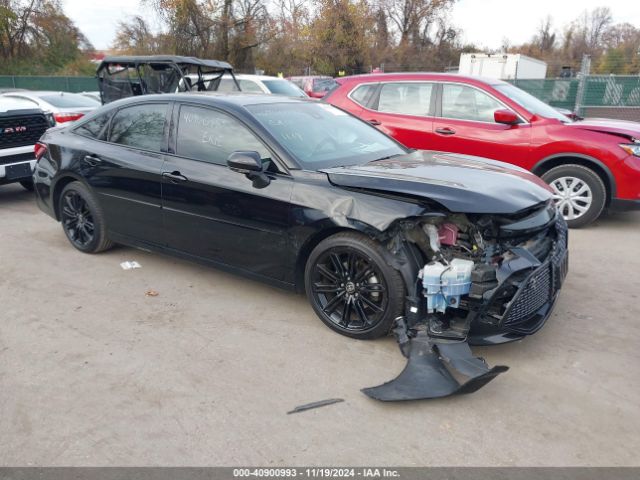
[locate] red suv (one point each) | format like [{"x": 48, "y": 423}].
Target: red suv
[{"x": 590, "y": 164}]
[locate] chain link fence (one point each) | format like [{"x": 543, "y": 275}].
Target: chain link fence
[
  {"x": 559, "y": 93},
  {"x": 604, "y": 96},
  {"x": 610, "y": 96}
]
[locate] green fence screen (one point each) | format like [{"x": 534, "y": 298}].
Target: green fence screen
[
  {"x": 608, "y": 96},
  {"x": 64, "y": 84},
  {"x": 559, "y": 93}
]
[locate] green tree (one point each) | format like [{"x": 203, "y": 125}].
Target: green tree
[
  {"x": 36, "y": 37},
  {"x": 340, "y": 36}
]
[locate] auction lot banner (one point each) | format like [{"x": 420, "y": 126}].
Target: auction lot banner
[{"x": 404, "y": 473}]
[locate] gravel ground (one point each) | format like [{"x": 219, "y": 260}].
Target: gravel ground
[{"x": 95, "y": 372}]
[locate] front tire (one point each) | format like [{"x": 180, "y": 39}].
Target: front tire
[
  {"x": 82, "y": 219},
  {"x": 352, "y": 288},
  {"x": 579, "y": 193}
]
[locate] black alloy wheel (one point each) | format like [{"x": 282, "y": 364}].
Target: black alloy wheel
[
  {"x": 352, "y": 289},
  {"x": 77, "y": 220},
  {"x": 82, "y": 219}
]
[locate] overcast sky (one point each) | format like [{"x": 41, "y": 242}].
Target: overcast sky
[{"x": 484, "y": 22}]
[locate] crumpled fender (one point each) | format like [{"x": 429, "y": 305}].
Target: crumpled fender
[{"x": 347, "y": 208}]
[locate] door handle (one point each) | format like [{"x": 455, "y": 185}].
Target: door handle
[
  {"x": 92, "y": 160},
  {"x": 174, "y": 177},
  {"x": 445, "y": 131},
  {"x": 374, "y": 122}
]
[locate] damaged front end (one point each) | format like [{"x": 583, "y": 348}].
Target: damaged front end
[{"x": 474, "y": 279}]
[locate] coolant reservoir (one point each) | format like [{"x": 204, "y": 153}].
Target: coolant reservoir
[{"x": 445, "y": 284}]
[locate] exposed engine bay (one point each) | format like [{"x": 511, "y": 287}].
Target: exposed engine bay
[{"x": 478, "y": 279}]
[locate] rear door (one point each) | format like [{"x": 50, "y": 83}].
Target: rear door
[
  {"x": 217, "y": 214},
  {"x": 123, "y": 164},
  {"x": 403, "y": 110},
  {"x": 465, "y": 124}
]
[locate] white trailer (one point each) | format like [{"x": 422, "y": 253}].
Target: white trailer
[{"x": 504, "y": 66}]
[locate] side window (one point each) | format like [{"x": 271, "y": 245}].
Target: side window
[
  {"x": 211, "y": 136},
  {"x": 406, "y": 98},
  {"x": 140, "y": 126},
  {"x": 362, "y": 94},
  {"x": 96, "y": 127},
  {"x": 466, "y": 103}
]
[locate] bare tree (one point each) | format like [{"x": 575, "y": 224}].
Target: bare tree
[
  {"x": 545, "y": 38},
  {"x": 412, "y": 18}
]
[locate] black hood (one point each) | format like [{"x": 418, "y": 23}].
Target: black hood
[{"x": 460, "y": 183}]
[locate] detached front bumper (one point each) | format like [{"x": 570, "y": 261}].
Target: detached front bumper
[{"x": 531, "y": 304}]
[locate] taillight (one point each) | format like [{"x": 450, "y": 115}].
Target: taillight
[
  {"x": 39, "y": 149},
  {"x": 67, "y": 117}
]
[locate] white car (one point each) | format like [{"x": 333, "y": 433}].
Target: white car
[
  {"x": 65, "y": 106},
  {"x": 254, "y": 84},
  {"x": 95, "y": 95},
  {"x": 260, "y": 84},
  {"x": 21, "y": 126}
]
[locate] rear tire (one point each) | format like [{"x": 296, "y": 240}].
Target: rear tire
[
  {"x": 82, "y": 219},
  {"x": 579, "y": 193},
  {"x": 27, "y": 185},
  {"x": 352, "y": 288}
]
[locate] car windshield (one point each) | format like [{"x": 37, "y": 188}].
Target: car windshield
[
  {"x": 529, "y": 102},
  {"x": 322, "y": 136},
  {"x": 69, "y": 100},
  {"x": 283, "y": 87}
]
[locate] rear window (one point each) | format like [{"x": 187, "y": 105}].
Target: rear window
[
  {"x": 283, "y": 87},
  {"x": 96, "y": 127},
  {"x": 140, "y": 126},
  {"x": 70, "y": 100},
  {"x": 411, "y": 98},
  {"x": 362, "y": 94}
]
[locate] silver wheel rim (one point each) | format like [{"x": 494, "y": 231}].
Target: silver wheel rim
[{"x": 572, "y": 196}]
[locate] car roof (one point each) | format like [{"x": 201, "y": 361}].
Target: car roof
[
  {"x": 454, "y": 77},
  {"x": 40, "y": 93},
  {"x": 216, "y": 98}
]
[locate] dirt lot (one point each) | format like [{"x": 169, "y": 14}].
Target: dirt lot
[{"x": 93, "y": 372}]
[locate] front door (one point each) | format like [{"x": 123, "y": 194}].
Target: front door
[
  {"x": 465, "y": 124},
  {"x": 214, "y": 213}
]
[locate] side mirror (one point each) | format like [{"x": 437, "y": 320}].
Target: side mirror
[
  {"x": 245, "y": 162},
  {"x": 250, "y": 164},
  {"x": 506, "y": 117}
]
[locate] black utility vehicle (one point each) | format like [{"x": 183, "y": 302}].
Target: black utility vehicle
[{"x": 129, "y": 76}]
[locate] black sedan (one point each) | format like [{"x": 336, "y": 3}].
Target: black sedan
[{"x": 444, "y": 247}]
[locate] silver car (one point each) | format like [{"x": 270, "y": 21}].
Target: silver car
[{"x": 65, "y": 106}]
